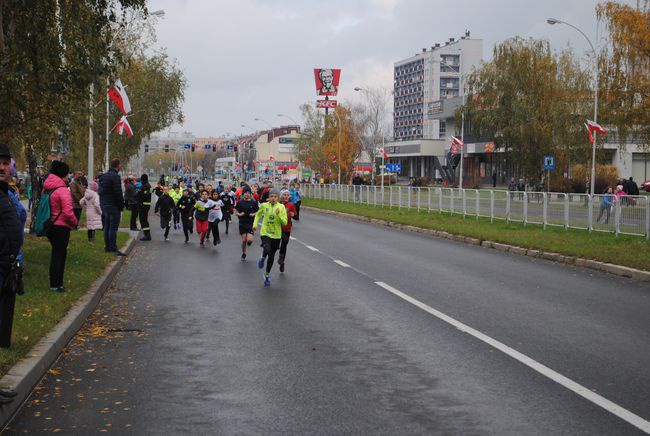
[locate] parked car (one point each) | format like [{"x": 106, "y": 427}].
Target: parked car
[{"x": 646, "y": 186}]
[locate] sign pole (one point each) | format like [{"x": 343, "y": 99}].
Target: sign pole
[{"x": 383, "y": 165}]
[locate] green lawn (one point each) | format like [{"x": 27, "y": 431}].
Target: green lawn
[
  {"x": 632, "y": 251},
  {"x": 40, "y": 309},
  {"x": 124, "y": 220}
]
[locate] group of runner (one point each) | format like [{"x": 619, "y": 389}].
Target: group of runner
[{"x": 203, "y": 208}]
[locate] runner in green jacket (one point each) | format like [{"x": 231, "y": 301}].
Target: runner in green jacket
[{"x": 273, "y": 215}]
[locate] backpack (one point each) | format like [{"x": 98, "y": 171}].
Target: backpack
[{"x": 43, "y": 221}]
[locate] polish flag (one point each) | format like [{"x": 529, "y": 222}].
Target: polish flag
[
  {"x": 334, "y": 159},
  {"x": 592, "y": 127},
  {"x": 124, "y": 126},
  {"x": 383, "y": 153},
  {"x": 117, "y": 93},
  {"x": 456, "y": 145}
]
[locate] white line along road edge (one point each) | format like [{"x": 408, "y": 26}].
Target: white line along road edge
[
  {"x": 603, "y": 402},
  {"x": 311, "y": 248},
  {"x": 343, "y": 264}
]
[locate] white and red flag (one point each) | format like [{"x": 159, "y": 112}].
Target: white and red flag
[
  {"x": 382, "y": 153},
  {"x": 117, "y": 93},
  {"x": 124, "y": 126},
  {"x": 456, "y": 145},
  {"x": 334, "y": 159},
  {"x": 592, "y": 127}
]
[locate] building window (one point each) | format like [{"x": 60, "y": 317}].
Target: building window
[{"x": 443, "y": 129}]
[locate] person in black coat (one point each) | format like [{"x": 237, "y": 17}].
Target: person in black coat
[
  {"x": 111, "y": 201},
  {"x": 131, "y": 202},
  {"x": 11, "y": 239},
  {"x": 165, "y": 206},
  {"x": 143, "y": 198}
]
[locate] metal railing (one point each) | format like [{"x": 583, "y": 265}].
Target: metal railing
[{"x": 628, "y": 215}]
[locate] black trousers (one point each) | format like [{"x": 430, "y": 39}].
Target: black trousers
[
  {"x": 214, "y": 229},
  {"x": 59, "y": 238},
  {"x": 134, "y": 217},
  {"x": 270, "y": 246},
  {"x": 7, "y": 304},
  {"x": 286, "y": 237},
  {"x": 187, "y": 227},
  {"x": 143, "y": 214},
  {"x": 297, "y": 217},
  {"x": 177, "y": 216}
]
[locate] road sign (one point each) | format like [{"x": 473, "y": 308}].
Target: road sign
[
  {"x": 229, "y": 147},
  {"x": 394, "y": 167},
  {"x": 187, "y": 146},
  {"x": 207, "y": 146},
  {"x": 549, "y": 163}
]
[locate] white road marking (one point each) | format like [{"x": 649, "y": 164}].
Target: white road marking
[
  {"x": 343, "y": 264},
  {"x": 311, "y": 248},
  {"x": 584, "y": 392},
  {"x": 292, "y": 238}
]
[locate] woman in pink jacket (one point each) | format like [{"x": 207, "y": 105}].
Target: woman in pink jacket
[
  {"x": 90, "y": 202},
  {"x": 63, "y": 220}
]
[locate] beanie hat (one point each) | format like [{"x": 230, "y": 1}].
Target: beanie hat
[
  {"x": 144, "y": 178},
  {"x": 93, "y": 186},
  {"x": 283, "y": 191},
  {"x": 273, "y": 191},
  {"x": 246, "y": 188},
  {"x": 59, "y": 168}
]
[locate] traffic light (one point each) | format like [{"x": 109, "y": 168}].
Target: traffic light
[
  {"x": 214, "y": 148},
  {"x": 193, "y": 147},
  {"x": 166, "y": 148},
  {"x": 235, "y": 148},
  {"x": 146, "y": 148}
]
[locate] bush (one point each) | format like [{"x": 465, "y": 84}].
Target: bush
[{"x": 561, "y": 185}]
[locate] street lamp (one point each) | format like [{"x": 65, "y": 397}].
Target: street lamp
[
  {"x": 553, "y": 21},
  {"x": 264, "y": 121},
  {"x": 289, "y": 118}
]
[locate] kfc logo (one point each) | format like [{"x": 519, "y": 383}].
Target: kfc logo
[{"x": 327, "y": 81}]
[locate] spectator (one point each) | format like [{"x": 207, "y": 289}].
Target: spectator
[
  {"x": 494, "y": 179},
  {"x": 131, "y": 202},
  {"x": 112, "y": 203},
  {"x": 77, "y": 190},
  {"x": 633, "y": 188},
  {"x": 11, "y": 240},
  {"x": 63, "y": 220},
  {"x": 93, "y": 210},
  {"x": 606, "y": 204}
]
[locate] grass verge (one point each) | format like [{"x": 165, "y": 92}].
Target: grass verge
[
  {"x": 631, "y": 251},
  {"x": 40, "y": 309}
]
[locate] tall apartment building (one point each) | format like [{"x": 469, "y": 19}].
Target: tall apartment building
[{"x": 424, "y": 81}]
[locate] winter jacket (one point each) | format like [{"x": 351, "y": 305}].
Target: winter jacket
[
  {"x": 296, "y": 195},
  {"x": 93, "y": 210},
  {"x": 22, "y": 217},
  {"x": 110, "y": 190},
  {"x": 175, "y": 195},
  {"x": 291, "y": 212},
  {"x": 77, "y": 190},
  {"x": 11, "y": 232},
  {"x": 165, "y": 205},
  {"x": 143, "y": 195},
  {"x": 60, "y": 202},
  {"x": 186, "y": 207},
  {"x": 273, "y": 216},
  {"x": 129, "y": 196}
]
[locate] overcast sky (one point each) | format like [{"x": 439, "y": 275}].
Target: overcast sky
[{"x": 249, "y": 59}]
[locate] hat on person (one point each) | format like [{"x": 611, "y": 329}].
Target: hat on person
[
  {"x": 4, "y": 151},
  {"x": 59, "y": 168},
  {"x": 273, "y": 191},
  {"x": 283, "y": 191},
  {"x": 245, "y": 189},
  {"x": 93, "y": 186},
  {"x": 144, "y": 178}
]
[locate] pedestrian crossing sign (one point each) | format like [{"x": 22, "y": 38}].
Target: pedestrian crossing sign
[{"x": 549, "y": 163}]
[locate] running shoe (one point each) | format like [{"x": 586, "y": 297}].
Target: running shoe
[
  {"x": 282, "y": 267},
  {"x": 267, "y": 280},
  {"x": 260, "y": 263},
  {"x": 243, "y": 257},
  {"x": 166, "y": 239}
]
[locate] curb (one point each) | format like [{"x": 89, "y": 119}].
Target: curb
[
  {"x": 26, "y": 374},
  {"x": 596, "y": 265}
]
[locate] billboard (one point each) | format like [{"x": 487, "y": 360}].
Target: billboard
[{"x": 327, "y": 81}]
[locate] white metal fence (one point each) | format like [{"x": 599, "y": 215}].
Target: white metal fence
[{"x": 628, "y": 215}]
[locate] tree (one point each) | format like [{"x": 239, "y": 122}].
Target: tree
[
  {"x": 625, "y": 70},
  {"x": 371, "y": 119},
  {"x": 531, "y": 102}
]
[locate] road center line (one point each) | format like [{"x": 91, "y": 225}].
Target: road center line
[
  {"x": 584, "y": 392},
  {"x": 343, "y": 264},
  {"x": 311, "y": 248}
]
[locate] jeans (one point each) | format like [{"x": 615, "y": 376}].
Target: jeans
[
  {"x": 59, "y": 237},
  {"x": 112, "y": 217}
]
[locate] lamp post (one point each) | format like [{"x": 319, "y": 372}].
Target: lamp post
[
  {"x": 553, "y": 21},
  {"x": 289, "y": 118},
  {"x": 252, "y": 131}
]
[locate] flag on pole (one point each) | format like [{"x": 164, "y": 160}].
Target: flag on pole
[
  {"x": 117, "y": 93},
  {"x": 334, "y": 159},
  {"x": 382, "y": 153},
  {"x": 592, "y": 127},
  {"x": 456, "y": 145},
  {"x": 124, "y": 126}
]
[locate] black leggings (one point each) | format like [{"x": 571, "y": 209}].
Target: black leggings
[
  {"x": 286, "y": 237},
  {"x": 91, "y": 235},
  {"x": 59, "y": 238},
  {"x": 187, "y": 227},
  {"x": 270, "y": 246},
  {"x": 214, "y": 229}
]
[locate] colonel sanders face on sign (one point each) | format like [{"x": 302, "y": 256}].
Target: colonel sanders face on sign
[{"x": 327, "y": 81}]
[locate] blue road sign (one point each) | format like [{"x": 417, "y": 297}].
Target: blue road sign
[
  {"x": 187, "y": 146},
  {"x": 229, "y": 146},
  {"x": 207, "y": 146},
  {"x": 393, "y": 167},
  {"x": 549, "y": 163}
]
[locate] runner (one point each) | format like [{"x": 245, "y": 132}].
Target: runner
[
  {"x": 202, "y": 212},
  {"x": 165, "y": 205},
  {"x": 176, "y": 193},
  {"x": 246, "y": 209},
  {"x": 274, "y": 216},
  {"x": 227, "y": 204},
  {"x": 214, "y": 217},
  {"x": 296, "y": 199},
  {"x": 286, "y": 229},
  {"x": 186, "y": 207}
]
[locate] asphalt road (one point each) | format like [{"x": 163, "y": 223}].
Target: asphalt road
[{"x": 188, "y": 341}]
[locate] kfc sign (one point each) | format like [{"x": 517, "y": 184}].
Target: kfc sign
[
  {"x": 327, "y": 81},
  {"x": 326, "y": 104}
]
